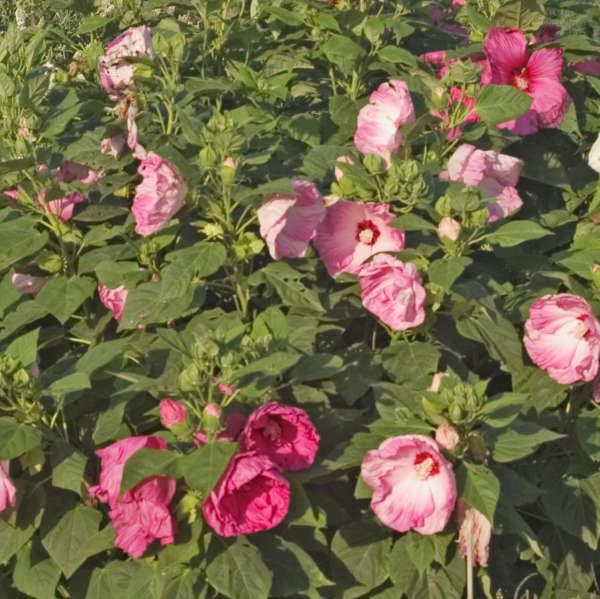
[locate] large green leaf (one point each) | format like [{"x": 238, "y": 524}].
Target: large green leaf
[
  {"x": 203, "y": 467},
  {"x": 526, "y": 15},
  {"x": 62, "y": 296},
  {"x": 499, "y": 103},
  {"x": 238, "y": 571},
  {"x": 479, "y": 487},
  {"x": 517, "y": 232},
  {"x": 20, "y": 239},
  {"x": 75, "y": 537},
  {"x": 147, "y": 462},
  {"x": 16, "y": 438}
]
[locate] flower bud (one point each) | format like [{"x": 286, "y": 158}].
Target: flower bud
[
  {"x": 446, "y": 436},
  {"x": 594, "y": 156},
  {"x": 338, "y": 171},
  {"x": 228, "y": 171},
  {"x": 474, "y": 534},
  {"x": 436, "y": 382},
  {"x": 449, "y": 228}
]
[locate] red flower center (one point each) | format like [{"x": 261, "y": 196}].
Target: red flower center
[
  {"x": 580, "y": 330},
  {"x": 520, "y": 79},
  {"x": 426, "y": 465},
  {"x": 367, "y": 232}
]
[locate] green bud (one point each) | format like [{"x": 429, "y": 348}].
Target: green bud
[
  {"x": 212, "y": 231},
  {"x": 189, "y": 378},
  {"x": 50, "y": 262},
  {"x": 373, "y": 163},
  {"x": 189, "y": 505},
  {"x": 207, "y": 157},
  {"x": 455, "y": 412}
]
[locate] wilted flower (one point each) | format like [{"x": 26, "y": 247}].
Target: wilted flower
[
  {"x": 252, "y": 495},
  {"x": 392, "y": 290},
  {"x": 172, "y": 412},
  {"x": 436, "y": 381},
  {"x": 413, "y": 484},
  {"x": 289, "y": 221},
  {"x": 234, "y": 423},
  {"x": 113, "y": 299},
  {"x": 116, "y": 73},
  {"x": 8, "y": 491},
  {"x": 390, "y": 107},
  {"x": 27, "y": 283},
  {"x": 352, "y": 232},
  {"x": 562, "y": 336},
  {"x": 538, "y": 75},
  {"x": 474, "y": 529},
  {"x": 587, "y": 67},
  {"x": 113, "y": 146},
  {"x": 545, "y": 34},
  {"x": 496, "y": 174},
  {"x": 70, "y": 171},
  {"x": 159, "y": 196},
  {"x": 283, "y": 433}
]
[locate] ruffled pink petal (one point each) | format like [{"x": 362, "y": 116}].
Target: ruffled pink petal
[{"x": 506, "y": 50}]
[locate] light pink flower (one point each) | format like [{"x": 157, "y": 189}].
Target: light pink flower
[
  {"x": 142, "y": 514},
  {"x": 594, "y": 155},
  {"x": 289, "y": 221},
  {"x": 474, "y": 530},
  {"x": 113, "y": 146},
  {"x": 352, "y": 232},
  {"x": 392, "y": 291},
  {"x": 172, "y": 412},
  {"x": 283, "y": 433},
  {"x": 390, "y": 107},
  {"x": 413, "y": 484},
  {"x": 457, "y": 3},
  {"x": 538, "y": 75},
  {"x": 338, "y": 171},
  {"x": 252, "y": 495},
  {"x": 562, "y": 336},
  {"x": 449, "y": 228},
  {"x": 62, "y": 207},
  {"x": 587, "y": 67},
  {"x": 545, "y": 34},
  {"x": 27, "y": 283},
  {"x": 212, "y": 410},
  {"x": 113, "y": 299},
  {"x": 8, "y": 491},
  {"x": 234, "y": 423},
  {"x": 497, "y": 175},
  {"x": 446, "y": 436},
  {"x": 159, "y": 196},
  {"x": 116, "y": 73},
  {"x": 71, "y": 171}
]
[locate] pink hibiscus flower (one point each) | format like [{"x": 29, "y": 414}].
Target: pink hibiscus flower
[
  {"x": 537, "y": 74},
  {"x": 352, "y": 232}
]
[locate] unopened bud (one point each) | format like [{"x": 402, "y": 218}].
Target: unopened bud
[
  {"x": 338, "y": 171},
  {"x": 448, "y": 227},
  {"x": 446, "y": 436}
]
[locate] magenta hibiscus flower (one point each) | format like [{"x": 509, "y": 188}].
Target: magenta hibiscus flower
[{"x": 537, "y": 74}]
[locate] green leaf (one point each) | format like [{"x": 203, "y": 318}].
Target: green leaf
[
  {"x": 288, "y": 283},
  {"x": 412, "y": 222},
  {"x": 36, "y": 574},
  {"x": 271, "y": 323},
  {"x": 588, "y": 433},
  {"x": 516, "y": 232},
  {"x": 445, "y": 271},
  {"x": 411, "y": 363},
  {"x": 499, "y": 103},
  {"x": 396, "y": 55},
  {"x": 203, "y": 467},
  {"x": 125, "y": 580},
  {"x": 24, "y": 348},
  {"x": 62, "y": 296},
  {"x": 342, "y": 51},
  {"x": 526, "y": 15},
  {"x": 364, "y": 549},
  {"x": 274, "y": 364},
  {"x": 19, "y": 240},
  {"x": 479, "y": 487},
  {"x": 320, "y": 161},
  {"x": 317, "y": 366},
  {"x": 92, "y": 23},
  {"x": 518, "y": 441},
  {"x": 573, "y": 505},
  {"x": 499, "y": 411},
  {"x": 343, "y": 111},
  {"x": 70, "y": 383},
  {"x": 147, "y": 462},
  {"x": 68, "y": 466},
  {"x": 16, "y": 438},
  {"x": 75, "y": 537},
  {"x": 285, "y": 16},
  {"x": 238, "y": 571}
]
